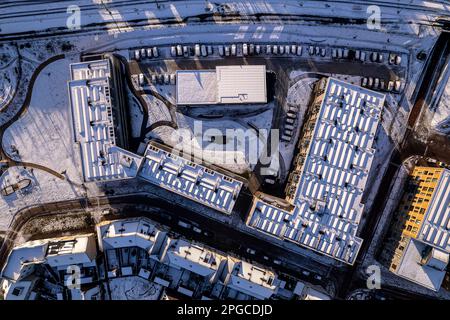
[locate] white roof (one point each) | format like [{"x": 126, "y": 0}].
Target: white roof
[
  {"x": 128, "y": 233},
  {"x": 64, "y": 252},
  {"x": 195, "y": 258},
  {"x": 31, "y": 252},
  {"x": 226, "y": 85},
  {"x": 93, "y": 126},
  {"x": 410, "y": 267},
  {"x": 190, "y": 180},
  {"x": 436, "y": 223},
  {"x": 90, "y": 70},
  {"x": 241, "y": 84},
  {"x": 19, "y": 290},
  {"x": 333, "y": 176},
  {"x": 196, "y": 87},
  {"x": 252, "y": 280}
]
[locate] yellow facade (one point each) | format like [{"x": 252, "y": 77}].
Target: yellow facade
[{"x": 420, "y": 189}]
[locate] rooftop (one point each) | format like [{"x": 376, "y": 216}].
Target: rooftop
[
  {"x": 94, "y": 127},
  {"x": 328, "y": 191},
  {"x": 226, "y": 85},
  {"x": 412, "y": 269},
  {"x": 189, "y": 179},
  {"x": 193, "y": 257},
  {"x": 252, "y": 280},
  {"x": 436, "y": 224},
  {"x": 137, "y": 232}
]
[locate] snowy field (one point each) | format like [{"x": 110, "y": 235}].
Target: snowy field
[{"x": 134, "y": 288}]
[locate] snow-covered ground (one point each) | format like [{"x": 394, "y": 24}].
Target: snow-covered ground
[
  {"x": 42, "y": 134},
  {"x": 9, "y": 73},
  {"x": 134, "y": 288}
]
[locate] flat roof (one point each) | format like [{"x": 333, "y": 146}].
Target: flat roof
[
  {"x": 252, "y": 280},
  {"x": 196, "y": 87},
  {"x": 93, "y": 127},
  {"x": 190, "y": 180},
  {"x": 193, "y": 257},
  {"x": 436, "y": 223},
  {"x": 135, "y": 232},
  {"x": 241, "y": 84},
  {"x": 225, "y": 85},
  {"x": 328, "y": 193},
  {"x": 77, "y": 250},
  {"x": 90, "y": 70}
]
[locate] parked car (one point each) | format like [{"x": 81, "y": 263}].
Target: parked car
[
  {"x": 245, "y": 49},
  {"x": 141, "y": 79},
  {"x": 233, "y": 50},
  {"x": 306, "y": 273},
  {"x": 172, "y": 78},
  {"x": 166, "y": 78},
  {"x": 251, "y": 251},
  {"x": 179, "y": 50},
  {"x": 143, "y": 53},
  {"x": 257, "y": 49},
  {"x": 197, "y": 51},
  {"x": 364, "y": 82},
  {"x": 275, "y": 49},
  {"x": 268, "y": 49},
  {"x": 197, "y": 230},
  {"x": 278, "y": 262},
  {"x": 173, "y": 51},
  {"x": 203, "y": 50},
  {"x": 155, "y": 52},
  {"x": 149, "y": 52},
  {"x": 184, "y": 224},
  {"x": 345, "y": 53},
  {"x": 221, "y": 51}
]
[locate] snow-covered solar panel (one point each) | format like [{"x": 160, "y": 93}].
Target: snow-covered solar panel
[
  {"x": 195, "y": 182},
  {"x": 344, "y": 132}
]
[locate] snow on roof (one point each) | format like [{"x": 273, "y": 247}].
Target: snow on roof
[
  {"x": 241, "y": 84},
  {"x": 128, "y": 233},
  {"x": 22, "y": 256},
  {"x": 69, "y": 251},
  {"x": 252, "y": 280},
  {"x": 196, "y": 87},
  {"x": 436, "y": 223},
  {"x": 93, "y": 125},
  {"x": 20, "y": 290},
  {"x": 90, "y": 70},
  {"x": 56, "y": 252},
  {"x": 195, "y": 258},
  {"x": 328, "y": 194},
  {"x": 313, "y": 294},
  {"x": 411, "y": 268},
  {"x": 225, "y": 85},
  {"x": 190, "y": 180}
]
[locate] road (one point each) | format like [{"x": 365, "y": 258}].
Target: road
[
  {"x": 221, "y": 236},
  {"x": 410, "y": 146}
]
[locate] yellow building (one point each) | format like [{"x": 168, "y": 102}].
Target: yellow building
[{"x": 422, "y": 183}]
